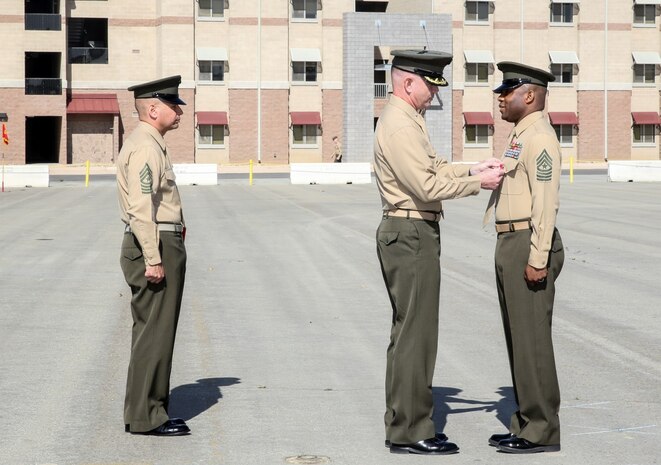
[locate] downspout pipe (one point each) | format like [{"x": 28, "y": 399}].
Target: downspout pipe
[
  {"x": 259, "y": 82},
  {"x": 606, "y": 81}
]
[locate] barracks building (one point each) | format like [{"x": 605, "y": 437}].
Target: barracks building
[{"x": 274, "y": 80}]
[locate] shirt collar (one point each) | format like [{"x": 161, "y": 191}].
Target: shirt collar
[
  {"x": 152, "y": 131},
  {"x": 406, "y": 108},
  {"x": 526, "y": 122}
]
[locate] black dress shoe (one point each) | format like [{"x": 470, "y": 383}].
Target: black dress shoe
[
  {"x": 173, "y": 427},
  {"x": 522, "y": 446},
  {"x": 431, "y": 446},
  {"x": 439, "y": 437},
  {"x": 496, "y": 438}
]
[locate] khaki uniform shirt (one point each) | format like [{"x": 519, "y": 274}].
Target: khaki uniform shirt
[
  {"x": 147, "y": 190},
  {"x": 531, "y": 185},
  {"x": 409, "y": 175},
  {"x": 337, "y": 153}
]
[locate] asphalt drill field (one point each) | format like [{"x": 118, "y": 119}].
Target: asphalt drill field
[{"x": 280, "y": 352}]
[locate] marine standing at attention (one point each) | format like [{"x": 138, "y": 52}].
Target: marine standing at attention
[
  {"x": 529, "y": 256},
  {"x": 412, "y": 182},
  {"x": 153, "y": 256}
]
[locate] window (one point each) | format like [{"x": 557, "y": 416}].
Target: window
[
  {"x": 477, "y": 72},
  {"x": 305, "y": 134},
  {"x": 87, "y": 40},
  {"x": 564, "y": 133},
  {"x": 643, "y": 134},
  {"x": 477, "y": 11},
  {"x": 304, "y": 9},
  {"x": 211, "y": 70},
  {"x": 304, "y": 71},
  {"x": 563, "y": 72},
  {"x": 211, "y": 9},
  {"x": 644, "y": 73},
  {"x": 644, "y": 14},
  {"x": 477, "y": 134},
  {"x": 562, "y": 13},
  {"x": 211, "y": 134}
]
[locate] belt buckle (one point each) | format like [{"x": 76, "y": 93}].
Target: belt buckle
[{"x": 511, "y": 227}]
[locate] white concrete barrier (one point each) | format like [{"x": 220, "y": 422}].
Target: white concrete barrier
[
  {"x": 196, "y": 174},
  {"x": 330, "y": 173},
  {"x": 634, "y": 170},
  {"x": 25, "y": 175}
]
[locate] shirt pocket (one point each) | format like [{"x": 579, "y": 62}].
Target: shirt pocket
[
  {"x": 169, "y": 176},
  {"x": 514, "y": 181}
]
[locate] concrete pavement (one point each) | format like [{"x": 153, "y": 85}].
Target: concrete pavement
[{"x": 281, "y": 344}]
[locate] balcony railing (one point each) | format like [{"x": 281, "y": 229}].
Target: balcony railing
[
  {"x": 380, "y": 90},
  {"x": 43, "y": 22},
  {"x": 97, "y": 55},
  {"x": 43, "y": 86}
]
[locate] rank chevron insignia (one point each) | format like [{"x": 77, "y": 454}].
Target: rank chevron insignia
[
  {"x": 544, "y": 167},
  {"x": 145, "y": 179}
]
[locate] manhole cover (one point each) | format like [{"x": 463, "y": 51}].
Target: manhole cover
[{"x": 307, "y": 459}]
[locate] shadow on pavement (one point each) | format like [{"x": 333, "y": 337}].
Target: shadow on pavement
[
  {"x": 189, "y": 400},
  {"x": 443, "y": 396}
]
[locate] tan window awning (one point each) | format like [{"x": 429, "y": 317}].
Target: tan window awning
[
  {"x": 305, "y": 117},
  {"x": 478, "y": 56},
  {"x": 568, "y": 58},
  {"x": 211, "y": 54},
  {"x": 212, "y": 117},
  {"x": 563, "y": 117},
  {"x": 93, "y": 103},
  {"x": 646, "y": 58},
  {"x": 645, "y": 117},
  {"x": 305, "y": 54},
  {"x": 478, "y": 118}
]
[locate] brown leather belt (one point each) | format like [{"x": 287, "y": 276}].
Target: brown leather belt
[
  {"x": 511, "y": 226},
  {"x": 414, "y": 214}
]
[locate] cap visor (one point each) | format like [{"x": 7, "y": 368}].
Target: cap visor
[
  {"x": 172, "y": 99},
  {"x": 503, "y": 87}
]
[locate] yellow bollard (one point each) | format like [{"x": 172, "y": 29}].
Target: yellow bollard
[
  {"x": 250, "y": 177},
  {"x": 87, "y": 173},
  {"x": 571, "y": 170}
]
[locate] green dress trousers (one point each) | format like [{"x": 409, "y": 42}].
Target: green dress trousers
[
  {"x": 155, "y": 309},
  {"x": 409, "y": 252},
  {"x": 527, "y": 313}
]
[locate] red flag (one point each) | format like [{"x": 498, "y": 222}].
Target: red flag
[{"x": 5, "y": 136}]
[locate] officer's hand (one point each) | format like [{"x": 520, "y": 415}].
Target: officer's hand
[
  {"x": 534, "y": 276},
  {"x": 154, "y": 273},
  {"x": 489, "y": 163},
  {"x": 490, "y": 178}
]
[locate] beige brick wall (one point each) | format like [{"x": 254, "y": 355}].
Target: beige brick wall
[
  {"x": 619, "y": 125},
  {"x": 332, "y": 123},
  {"x": 591, "y": 130},
  {"x": 12, "y": 104},
  {"x": 275, "y": 126},
  {"x": 90, "y": 137},
  {"x": 243, "y": 121},
  {"x": 457, "y": 125}
]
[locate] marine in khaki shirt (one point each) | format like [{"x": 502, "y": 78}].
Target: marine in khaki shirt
[
  {"x": 528, "y": 259},
  {"x": 409, "y": 174},
  {"x": 148, "y": 194},
  {"x": 153, "y": 257},
  {"x": 412, "y": 182},
  {"x": 531, "y": 186}
]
